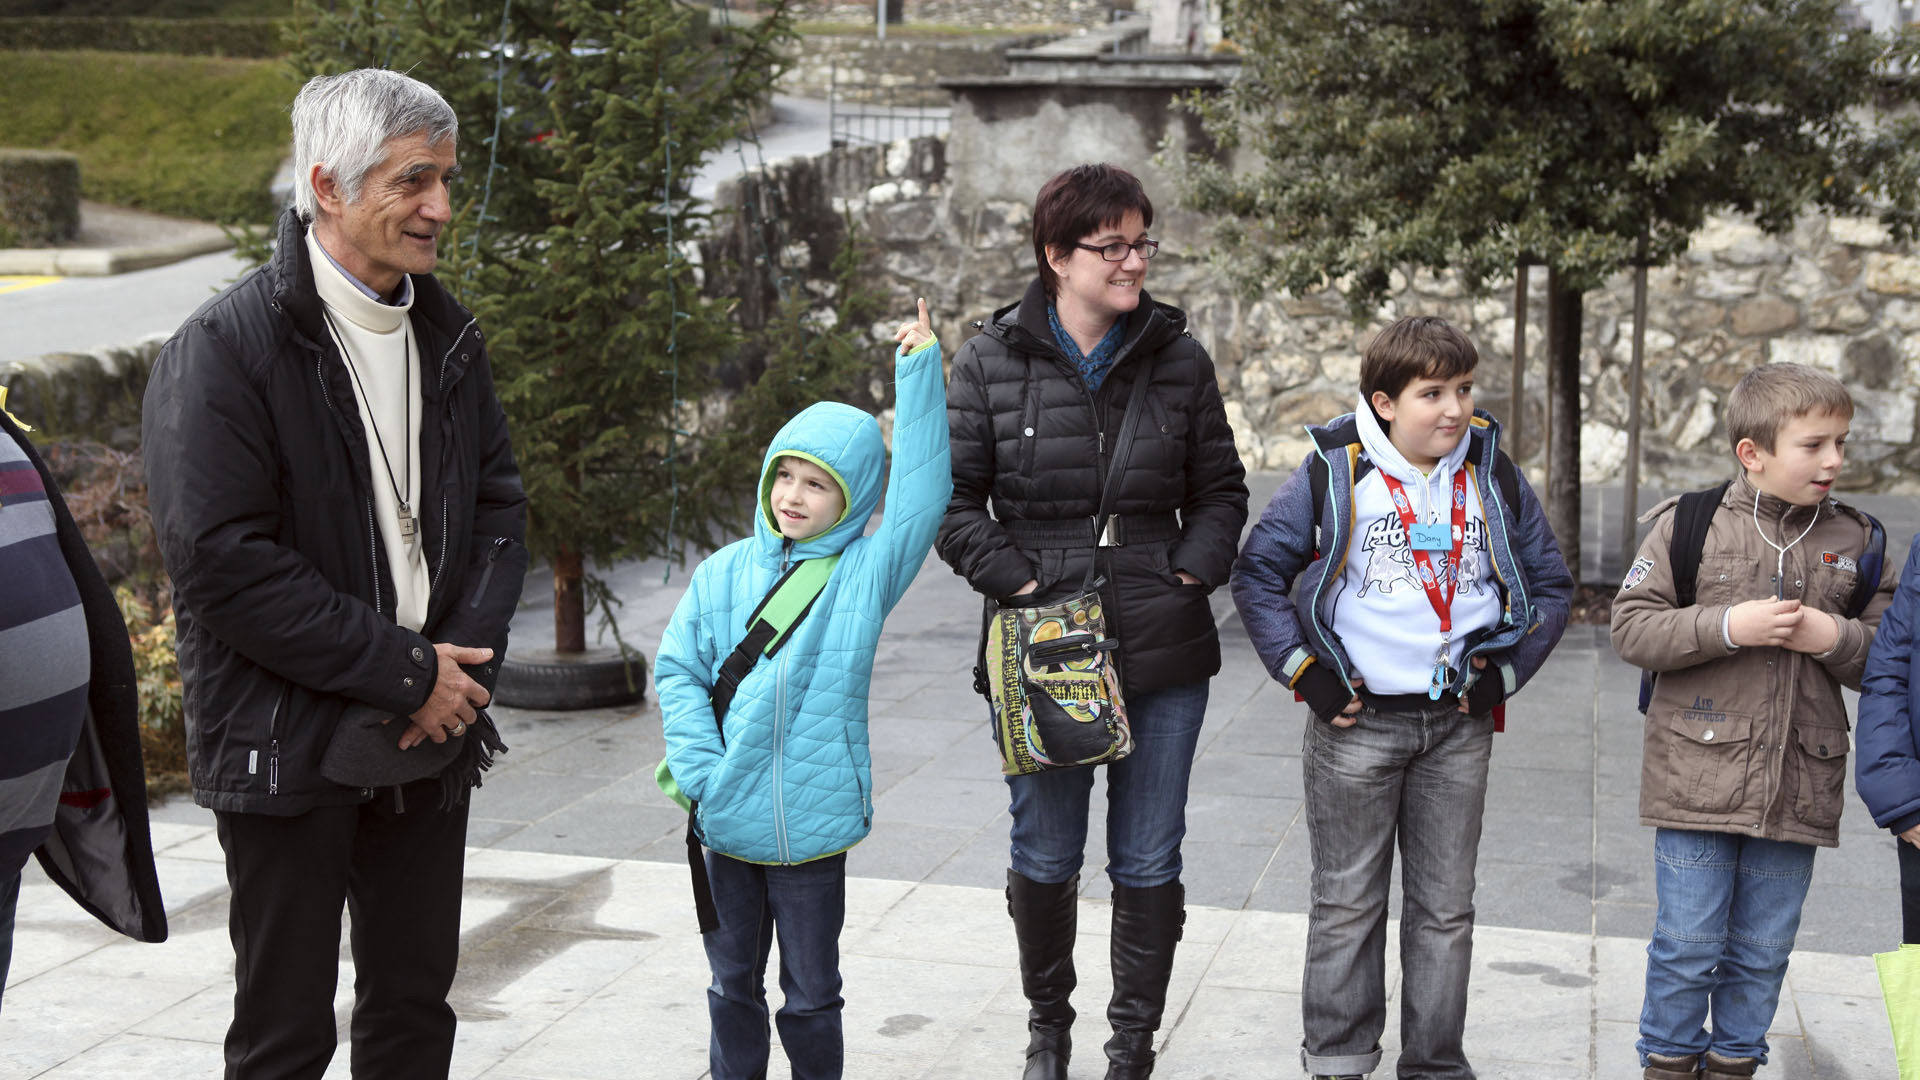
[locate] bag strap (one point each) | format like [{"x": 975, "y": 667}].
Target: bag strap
[
  {"x": 771, "y": 624},
  {"x": 1122, "y": 451},
  {"x": 768, "y": 628}
]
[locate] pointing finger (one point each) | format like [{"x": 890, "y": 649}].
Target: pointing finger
[{"x": 925, "y": 321}]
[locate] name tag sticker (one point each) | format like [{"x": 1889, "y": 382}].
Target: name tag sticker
[
  {"x": 1839, "y": 562},
  {"x": 1436, "y": 536}
]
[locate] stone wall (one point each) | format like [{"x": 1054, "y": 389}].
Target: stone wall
[
  {"x": 1833, "y": 293},
  {"x": 896, "y": 71},
  {"x": 83, "y": 396}
]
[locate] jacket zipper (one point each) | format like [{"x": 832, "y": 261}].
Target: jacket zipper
[
  {"x": 1327, "y": 568},
  {"x": 373, "y": 532},
  {"x": 779, "y": 754},
  {"x": 273, "y": 744},
  {"x": 486, "y": 572}
]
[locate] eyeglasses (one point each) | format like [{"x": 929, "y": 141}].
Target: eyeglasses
[{"x": 1117, "y": 252}]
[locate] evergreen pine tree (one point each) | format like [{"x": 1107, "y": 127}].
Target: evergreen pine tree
[{"x": 582, "y": 125}]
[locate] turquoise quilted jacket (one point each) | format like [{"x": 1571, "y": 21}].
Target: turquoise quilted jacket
[{"x": 792, "y": 779}]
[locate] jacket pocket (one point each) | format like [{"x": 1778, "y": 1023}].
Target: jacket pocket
[
  {"x": 1819, "y": 775},
  {"x": 1729, "y": 579},
  {"x": 1707, "y": 760}
]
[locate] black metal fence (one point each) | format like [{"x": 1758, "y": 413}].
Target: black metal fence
[{"x": 878, "y": 112}]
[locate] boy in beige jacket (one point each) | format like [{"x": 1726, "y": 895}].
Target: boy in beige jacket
[{"x": 1744, "y": 768}]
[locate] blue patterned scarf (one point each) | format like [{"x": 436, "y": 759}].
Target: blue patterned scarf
[{"x": 1095, "y": 365}]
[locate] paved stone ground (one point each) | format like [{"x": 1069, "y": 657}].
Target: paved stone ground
[{"x": 580, "y": 960}]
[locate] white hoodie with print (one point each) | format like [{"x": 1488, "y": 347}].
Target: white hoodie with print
[{"x": 1384, "y": 618}]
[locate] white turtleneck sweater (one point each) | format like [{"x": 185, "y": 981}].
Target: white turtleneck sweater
[
  {"x": 377, "y": 339},
  {"x": 1384, "y": 619}
]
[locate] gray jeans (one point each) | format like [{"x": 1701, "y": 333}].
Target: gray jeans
[{"x": 1418, "y": 777}]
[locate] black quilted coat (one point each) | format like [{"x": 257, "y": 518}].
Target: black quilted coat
[{"x": 1033, "y": 444}]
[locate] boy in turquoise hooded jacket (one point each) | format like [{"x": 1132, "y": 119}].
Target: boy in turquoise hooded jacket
[{"x": 783, "y": 786}]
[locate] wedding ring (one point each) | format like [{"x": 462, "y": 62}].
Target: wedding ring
[{"x": 459, "y": 729}]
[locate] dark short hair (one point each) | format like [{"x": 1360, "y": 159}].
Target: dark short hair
[
  {"x": 1415, "y": 347},
  {"x": 1080, "y": 201}
]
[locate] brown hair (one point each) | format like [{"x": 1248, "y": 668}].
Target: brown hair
[
  {"x": 1772, "y": 394},
  {"x": 1078, "y": 202},
  {"x": 1415, "y": 347}
]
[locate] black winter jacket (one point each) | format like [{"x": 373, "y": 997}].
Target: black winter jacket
[
  {"x": 1027, "y": 435},
  {"x": 258, "y": 471}
]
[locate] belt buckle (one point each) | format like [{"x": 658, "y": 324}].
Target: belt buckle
[{"x": 1106, "y": 534}]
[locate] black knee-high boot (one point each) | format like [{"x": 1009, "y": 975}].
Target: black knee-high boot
[
  {"x": 1146, "y": 927},
  {"x": 1044, "y": 922}
]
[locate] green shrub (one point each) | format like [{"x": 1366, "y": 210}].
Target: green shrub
[
  {"x": 39, "y": 196},
  {"x": 197, "y": 137},
  {"x": 254, "y": 37}
]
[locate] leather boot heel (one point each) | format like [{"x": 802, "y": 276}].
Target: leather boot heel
[{"x": 1045, "y": 921}]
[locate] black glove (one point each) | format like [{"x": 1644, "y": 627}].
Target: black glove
[
  {"x": 1488, "y": 690},
  {"x": 1326, "y": 695}
]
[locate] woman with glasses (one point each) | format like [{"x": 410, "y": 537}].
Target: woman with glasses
[{"x": 1036, "y": 405}]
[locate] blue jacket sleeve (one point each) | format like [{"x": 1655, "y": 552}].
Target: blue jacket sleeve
[
  {"x": 683, "y": 674},
  {"x": 1886, "y": 762},
  {"x": 920, "y": 478},
  {"x": 1278, "y": 548},
  {"x": 1549, "y": 585}
]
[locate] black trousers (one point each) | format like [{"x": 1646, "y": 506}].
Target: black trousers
[
  {"x": 398, "y": 872},
  {"x": 1909, "y": 892}
]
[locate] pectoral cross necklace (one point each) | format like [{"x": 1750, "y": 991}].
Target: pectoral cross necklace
[{"x": 403, "y": 508}]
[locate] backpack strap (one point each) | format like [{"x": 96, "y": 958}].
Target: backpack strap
[
  {"x": 1692, "y": 516},
  {"x": 768, "y": 628},
  {"x": 1691, "y": 519}
]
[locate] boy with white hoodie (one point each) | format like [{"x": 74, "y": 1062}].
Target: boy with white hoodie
[{"x": 1429, "y": 590}]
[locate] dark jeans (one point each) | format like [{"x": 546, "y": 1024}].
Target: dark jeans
[
  {"x": 1909, "y": 892},
  {"x": 1417, "y": 779},
  {"x": 805, "y": 906},
  {"x": 1146, "y": 799},
  {"x": 399, "y": 875}
]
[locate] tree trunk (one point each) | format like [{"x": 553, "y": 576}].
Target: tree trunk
[
  {"x": 569, "y": 602},
  {"x": 1563, "y": 407}
]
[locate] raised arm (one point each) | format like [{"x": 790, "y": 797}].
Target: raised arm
[{"x": 920, "y": 478}]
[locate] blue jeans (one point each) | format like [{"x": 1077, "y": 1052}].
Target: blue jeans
[
  {"x": 1146, "y": 799},
  {"x": 806, "y": 905},
  {"x": 1417, "y": 779},
  {"x": 1726, "y": 912}
]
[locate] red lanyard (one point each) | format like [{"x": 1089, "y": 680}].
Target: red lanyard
[{"x": 1442, "y": 602}]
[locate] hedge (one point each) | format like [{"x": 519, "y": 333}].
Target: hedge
[
  {"x": 186, "y": 37},
  {"x": 39, "y": 197},
  {"x": 193, "y": 136}
]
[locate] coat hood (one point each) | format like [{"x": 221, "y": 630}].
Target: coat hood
[{"x": 844, "y": 441}]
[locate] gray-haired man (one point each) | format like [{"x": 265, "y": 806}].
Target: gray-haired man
[{"x": 341, "y": 515}]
